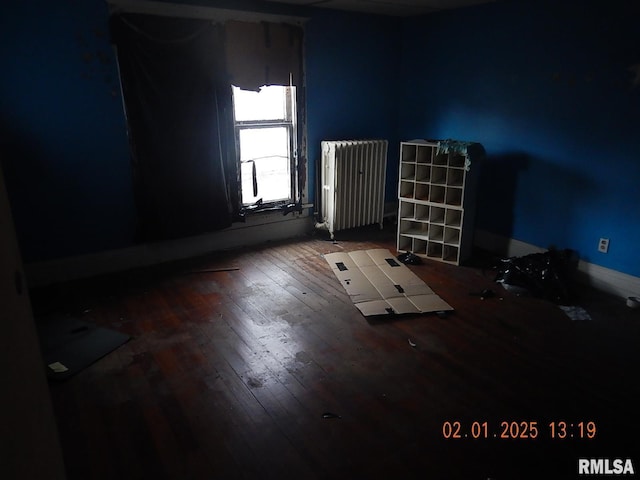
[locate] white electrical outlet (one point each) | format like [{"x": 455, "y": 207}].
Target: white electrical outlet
[{"x": 603, "y": 245}]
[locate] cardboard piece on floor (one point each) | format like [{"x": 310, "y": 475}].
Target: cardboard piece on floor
[
  {"x": 379, "y": 284},
  {"x": 70, "y": 345}
]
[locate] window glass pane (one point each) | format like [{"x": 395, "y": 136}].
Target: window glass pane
[
  {"x": 267, "y": 104},
  {"x": 268, "y": 149},
  {"x": 263, "y": 143}
]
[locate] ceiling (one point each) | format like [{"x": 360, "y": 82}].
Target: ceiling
[{"x": 401, "y": 8}]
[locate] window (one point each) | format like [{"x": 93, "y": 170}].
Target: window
[
  {"x": 203, "y": 153},
  {"x": 265, "y": 128}
]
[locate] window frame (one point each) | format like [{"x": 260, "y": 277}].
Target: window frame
[{"x": 291, "y": 124}]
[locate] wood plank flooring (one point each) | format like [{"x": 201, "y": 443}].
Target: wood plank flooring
[{"x": 229, "y": 373}]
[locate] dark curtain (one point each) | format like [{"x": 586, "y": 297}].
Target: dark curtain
[
  {"x": 179, "y": 114},
  {"x": 263, "y": 54}
]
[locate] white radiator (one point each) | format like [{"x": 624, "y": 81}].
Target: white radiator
[{"x": 353, "y": 179}]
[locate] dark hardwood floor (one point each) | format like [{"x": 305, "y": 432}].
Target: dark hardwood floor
[{"x": 229, "y": 373}]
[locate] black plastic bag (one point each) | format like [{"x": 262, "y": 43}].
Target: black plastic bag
[
  {"x": 545, "y": 275},
  {"x": 409, "y": 258}
]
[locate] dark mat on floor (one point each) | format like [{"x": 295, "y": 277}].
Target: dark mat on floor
[{"x": 70, "y": 345}]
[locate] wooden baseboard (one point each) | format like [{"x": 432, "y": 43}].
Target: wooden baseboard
[
  {"x": 273, "y": 228},
  {"x": 261, "y": 229},
  {"x": 605, "y": 279}
]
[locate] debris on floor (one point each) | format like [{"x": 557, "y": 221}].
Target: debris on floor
[
  {"x": 545, "y": 275},
  {"x": 633, "y": 302},
  {"x": 70, "y": 345},
  {"x": 409, "y": 258},
  {"x": 58, "y": 367},
  {"x": 486, "y": 293},
  {"x": 329, "y": 415},
  {"x": 215, "y": 270},
  {"x": 575, "y": 312}
]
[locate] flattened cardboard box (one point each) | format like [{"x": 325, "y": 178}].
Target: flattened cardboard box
[{"x": 378, "y": 284}]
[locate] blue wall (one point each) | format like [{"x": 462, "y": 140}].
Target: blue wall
[
  {"x": 63, "y": 136},
  {"x": 546, "y": 87},
  {"x": 352, "y": 69},
  {"x": 62, "y": 132}
]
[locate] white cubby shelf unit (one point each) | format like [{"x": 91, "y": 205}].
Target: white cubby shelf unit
[{"x": 436, "y": 194}]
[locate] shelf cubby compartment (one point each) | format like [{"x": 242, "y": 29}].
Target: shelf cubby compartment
[
  {"x": 406, "y": 189},
  {"x": 422, "y": 191},
  {"x": 453, "y": 217},
  {"x": 423, "y": 154},
  {"x": 408, "y": 171},
  {"x": 405, "y": 243},
  {"x": 455, "y": 177},
  {"x": 441, "y": 159},
  {"x": 422, "y": 212},
  {"x": 452, "y": 236},
  {"x": 453, "y": 196},
  {"x": 407, "y": 209},
  {"x": 408, "y": 153},
  {"x": 423, "y": 173},
  {"x": 437, "y": 194},
  {"x": 414, "y": 228},
  {"x": 419, "y": 246},
  {"x": 434, "y": 249},
  {"x": 438, "y": 175},
  {"x": 436, "y": 233},
  {"x": 457, "y": 160},
  {"x": 437, "y": 215},
  {"x": 450, "y": 253}
]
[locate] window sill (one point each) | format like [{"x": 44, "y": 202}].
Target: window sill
[{"x": 270, "y": 215}]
